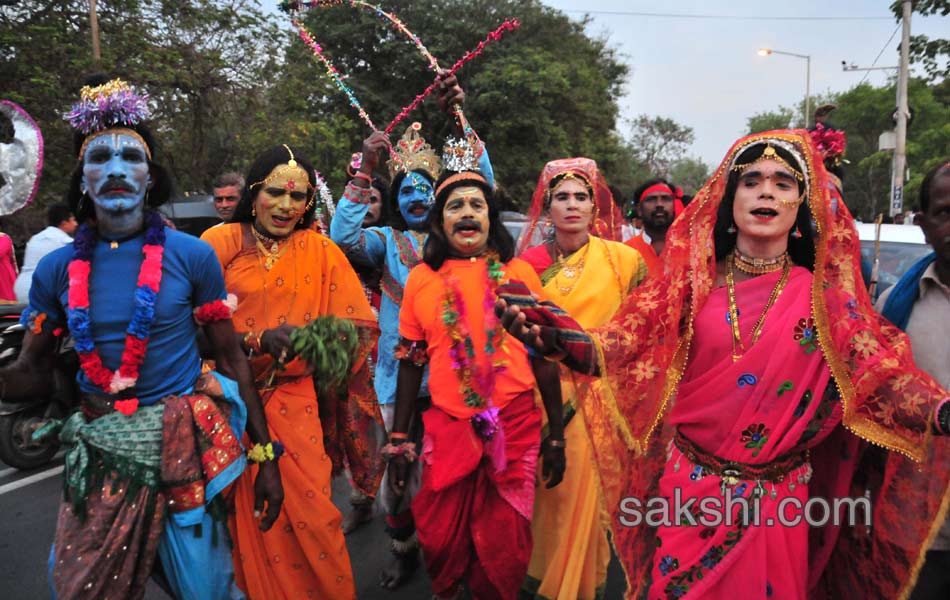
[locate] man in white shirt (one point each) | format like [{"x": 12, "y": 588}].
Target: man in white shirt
[{"x": 61, "y": 225}]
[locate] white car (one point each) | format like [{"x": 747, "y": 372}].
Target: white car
[{"x": 901, "y": 247}]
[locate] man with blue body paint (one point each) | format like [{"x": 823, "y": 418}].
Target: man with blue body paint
[{"x": 150, "y": 449}]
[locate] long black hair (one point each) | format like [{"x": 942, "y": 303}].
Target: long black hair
[
  {"x": 161, "y": 186},
  {"x": 382, "y": 186},
  {"x": 437, "y": 247},
  {"x": 801, "y": 249},
  {"x": 266, "y": 162}
]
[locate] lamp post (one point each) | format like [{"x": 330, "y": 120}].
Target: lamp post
[{"x": 767, "y": 51}]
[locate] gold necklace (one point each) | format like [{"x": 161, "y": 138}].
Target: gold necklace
[
  {"x": 572, "y": 272},
  {"x": 272, "y": 254},
  {"x": 759, "y": 266},
  {"x": 737, "y": 347}
]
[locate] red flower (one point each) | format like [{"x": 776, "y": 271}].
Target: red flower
[
  {"x": 78, "y": 284},
  {"x": 127, "y": 407},
  {"x": 151, "y": 271},
  {"x": 212, "y": 312}
]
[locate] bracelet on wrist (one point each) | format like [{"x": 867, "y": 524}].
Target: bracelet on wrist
[
  {"x": 363, "y": 176},
  {"x": 396, "y": 436},
  {"x": 561, "y": 443},
  {"x": 252, "y": 341},
  {"x": 259, "y": 453},
  {"x": 391, "y": 451}
]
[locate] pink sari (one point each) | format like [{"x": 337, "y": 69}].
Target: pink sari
[{"x": 771, "y": 403}]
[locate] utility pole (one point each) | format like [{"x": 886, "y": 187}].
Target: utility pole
[
  {"x": 900, "y": 152},
  {"x": 94, "y": 28}
]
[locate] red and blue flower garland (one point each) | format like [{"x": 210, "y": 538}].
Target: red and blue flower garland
[{"x": 137, "y": 334}]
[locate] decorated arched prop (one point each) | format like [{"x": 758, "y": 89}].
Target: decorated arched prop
[
  {"x": 21, "y": 160},
  {"x": 292, "y": 8}
]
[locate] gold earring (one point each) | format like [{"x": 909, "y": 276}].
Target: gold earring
[{"x": 253, "y": 211}]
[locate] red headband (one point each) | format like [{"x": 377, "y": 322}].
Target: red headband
[{"x": 656, "y": 187}]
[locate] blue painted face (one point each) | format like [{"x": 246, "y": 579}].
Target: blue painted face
[
  {"x": 115, "y": 174},
  {"x": 416, "y": 198}
]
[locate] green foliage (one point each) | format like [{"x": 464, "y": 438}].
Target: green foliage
[
  {"x": 229, "y": 79},
  {"x": 780, "y": 118},
  {"x": 933, "y": 54},
  {"x": 659, "y": 141},
  {"x": 689, "y": 174},
  {"x": 329, "y": 345}
]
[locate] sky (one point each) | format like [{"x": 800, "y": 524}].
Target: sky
[{"x": 705, "y": 73}]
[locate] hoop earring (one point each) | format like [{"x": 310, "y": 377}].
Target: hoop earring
[{"x": 732, "y": 228}]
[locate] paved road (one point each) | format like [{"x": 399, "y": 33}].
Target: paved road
[{"x": 28, "y": 504}]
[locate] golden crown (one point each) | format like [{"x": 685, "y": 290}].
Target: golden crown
[{"x": 412, "y": 152}]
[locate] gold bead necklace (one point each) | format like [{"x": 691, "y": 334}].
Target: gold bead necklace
[
  {"x": 758, "y": 266},
  {"x": 737, "y": 347}
]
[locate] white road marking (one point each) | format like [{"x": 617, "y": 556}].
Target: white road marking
[
  {"x": 12, "y": 487},
  {"x": 11, "y": 470}
]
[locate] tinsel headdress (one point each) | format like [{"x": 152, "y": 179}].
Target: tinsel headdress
[
  {"x": 114, "y": 104},
  {"x": 462, "y": 156},
  {"x": 412, "y": 153}
]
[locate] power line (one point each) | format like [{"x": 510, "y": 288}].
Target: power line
[
  {"x": 883, "y": 48},
  {"x": 628, "y": 13}
]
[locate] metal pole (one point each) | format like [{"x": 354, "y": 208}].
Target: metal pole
[
  {"x": 94, "y": 27},
  {"x": 900, "y": 152},
  {"x": 807, "y": 90}
]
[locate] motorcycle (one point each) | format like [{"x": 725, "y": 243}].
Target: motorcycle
[{"x": 18, "y": 420}]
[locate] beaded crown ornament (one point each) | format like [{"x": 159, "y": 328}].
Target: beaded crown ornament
[
  {"x": 461, "y": 154},
  {"x": 412, "y": 152}
]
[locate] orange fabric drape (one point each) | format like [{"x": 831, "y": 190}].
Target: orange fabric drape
[{"x": 304, "y": 554}]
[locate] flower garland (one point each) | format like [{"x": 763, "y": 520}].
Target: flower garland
[
  {"x": 137, "y": 334},
  {"x": 475, "y": 386}
]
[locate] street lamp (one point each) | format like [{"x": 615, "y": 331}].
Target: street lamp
[{"x": 768, "y": 51}]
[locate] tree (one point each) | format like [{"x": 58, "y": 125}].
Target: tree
[
  {"x": 545, "y": 91},
  {"x": 933, "y": 54},
  {"x": 203, "y": 62},
  {"x": 689, "y": 173},
  {"x": 780, "y": 118},
  {"x": 659, "y": 142},
  {"x": 229, "y": 80}
]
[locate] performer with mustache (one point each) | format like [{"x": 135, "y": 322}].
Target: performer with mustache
[
  {"x": 394, "y": 249},
  {"x": 655, "y": 204},
  {"x": 153, "y": 444},
  {"x": 483, "y": 431}
]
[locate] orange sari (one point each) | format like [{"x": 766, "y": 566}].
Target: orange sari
[{"x": 304, "y": 555}]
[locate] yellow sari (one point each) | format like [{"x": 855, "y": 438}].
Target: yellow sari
[{"x": 571, "y": 550}]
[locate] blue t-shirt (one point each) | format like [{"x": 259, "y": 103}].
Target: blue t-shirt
[{"x": 191, "y": 276}]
